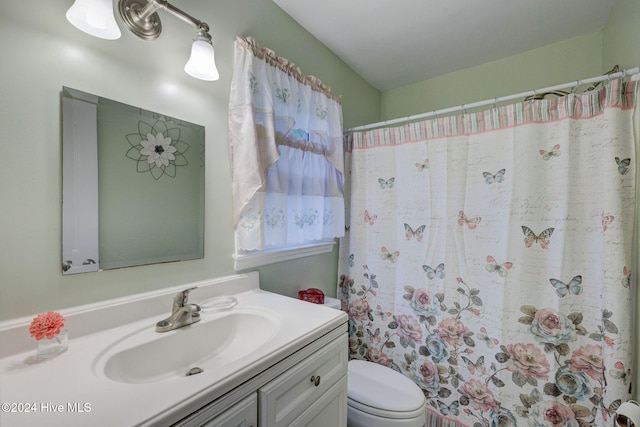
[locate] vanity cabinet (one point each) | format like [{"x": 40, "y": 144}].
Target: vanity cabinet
[
  {"x": 307, "y": 388},
  {"x": 242, "y": 414}
]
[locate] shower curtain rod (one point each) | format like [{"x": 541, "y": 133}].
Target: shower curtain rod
[{"x": 463, "y": 107}]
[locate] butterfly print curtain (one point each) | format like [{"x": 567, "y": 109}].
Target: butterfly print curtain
[
  {"x": 287, "y": 163},
  {"x": 488, "y": 257}
]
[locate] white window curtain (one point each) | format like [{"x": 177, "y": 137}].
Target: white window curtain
[{"x": 286, "y": 153}]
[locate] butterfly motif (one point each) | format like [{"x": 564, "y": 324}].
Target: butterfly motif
[
  {"x": 482, "y": 335},
  {"x": 479, "y": 365},
  {"x": 452, "y": 409},
  {"x": 384, "y": 315},
  {"x": 409, "y": 232},
  {"x": 386, "y": 184},
  {"x": 554, "y": 152},
  {"x": 623, "y": 165},
  {"x": 620, "y": 373},
  {"x": 423, "y": 166},
  {"x": 387, "y": 255},
  {"x": 351, "y": 257},
  {"x": 371, "y": 219},
  {"x": 472, "y": 223},
  {"x": 611, "y": 411},
  {"x": 563, "y": 289},
  {"x": 606, "y": 220},
  {"x": 433, "y": 273},
  {"x": 249, "y": 221},
  {"x": 626, "y": 280},
  {"x": 491, "y": 178},
  {"x": 543, "y": 238},
  {"x": 494, "y": 267}
]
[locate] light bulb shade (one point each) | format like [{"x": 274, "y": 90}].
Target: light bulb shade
[
  {"x": 94, "y": 17},
  {"x": 202, "y": 63}
]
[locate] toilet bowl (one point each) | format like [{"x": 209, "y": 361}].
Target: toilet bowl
[{"x": 378, "y": 396}]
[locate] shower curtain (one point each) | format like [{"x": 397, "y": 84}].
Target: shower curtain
[{"x": 488, "y": 257}]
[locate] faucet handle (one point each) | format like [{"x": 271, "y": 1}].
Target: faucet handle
[{"x": 181, "y": 298}]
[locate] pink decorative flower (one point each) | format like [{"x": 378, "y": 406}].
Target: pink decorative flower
[
  {"x": 359, "y": 308},
  {"x": 552, "y": 327},
  {"x": 528, "y": 360},
  {"x": 552, "y": 414},
  {"x": 426, "y": 375},
  {"x": 377, "y": 356},
  {"x": 588, "y": 359},
  {"x": 409, "y": 327},
  {"x": 452, "y": 331},
  {"x": 46, "y": 325},
  {"x": 423, "y": 303},
  {"x": 480, "y": 395}
]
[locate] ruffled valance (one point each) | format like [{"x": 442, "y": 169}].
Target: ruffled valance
[{"x": 287, "y": 66}]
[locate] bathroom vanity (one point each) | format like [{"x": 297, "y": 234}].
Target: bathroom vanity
[{"x": 268, "y": 360}]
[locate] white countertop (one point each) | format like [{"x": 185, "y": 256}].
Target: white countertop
[{"x": 72, "y": 390}]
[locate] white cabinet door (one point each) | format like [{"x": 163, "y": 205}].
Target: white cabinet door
[
  {"x": 329, "y": 410},
  {"x": 287, "y": 397},
  {"x": 242, "y": 414}
]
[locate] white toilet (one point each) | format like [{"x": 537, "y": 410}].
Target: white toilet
[{"x": 378, "y": 396}]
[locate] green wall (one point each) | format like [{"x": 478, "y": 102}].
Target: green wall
[
  {"x": 622, "y": 35},
  {"x": 41, "y": 52},
  {"x": 580, "y": 57},
  {"x": 562, "y": 62}
]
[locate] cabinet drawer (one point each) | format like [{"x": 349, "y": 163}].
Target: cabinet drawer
[
  {"x": 282, "y": 400},
  {"x": 242, "y": 414}
]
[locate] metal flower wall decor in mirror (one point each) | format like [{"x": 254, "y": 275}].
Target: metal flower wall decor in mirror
[{"x": 157, "y": 149}]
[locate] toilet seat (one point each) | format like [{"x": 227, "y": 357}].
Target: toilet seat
[
  {"x": 377, "y": 412},
  {"x": 381, "y": 391}
]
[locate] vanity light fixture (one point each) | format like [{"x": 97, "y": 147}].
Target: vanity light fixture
[
  {"x": 95, "y": 17},
  {"x": 202, "y": 62}
]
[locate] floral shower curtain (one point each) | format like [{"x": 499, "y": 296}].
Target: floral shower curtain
[{"x": 488, "y": 257}]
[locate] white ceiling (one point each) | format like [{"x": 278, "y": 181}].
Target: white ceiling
[{"x": 392, "y": 43}]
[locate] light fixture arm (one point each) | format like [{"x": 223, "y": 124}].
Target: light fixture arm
[
  {"x": 141, "y": 17},
  {"x": 180, "y": 14}
]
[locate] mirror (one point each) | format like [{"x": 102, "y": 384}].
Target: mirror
[{"x": 132, "y": 185}]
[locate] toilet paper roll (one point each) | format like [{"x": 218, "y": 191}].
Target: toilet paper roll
[{"x": 628, "y": 414}]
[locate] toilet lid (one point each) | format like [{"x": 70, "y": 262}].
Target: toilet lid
[{"x": 383, "y": 388}]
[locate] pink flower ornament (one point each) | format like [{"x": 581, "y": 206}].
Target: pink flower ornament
[
  {"x": 528, "y": 361},
  {"x": 46, "y": 325},
  {"x": 480, "y": 395},
  {"x": 409, "y": 327},
  {"x": 588, "y": 359}
]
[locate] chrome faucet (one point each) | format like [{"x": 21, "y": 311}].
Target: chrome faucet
[{"x": 182, "y": 314}]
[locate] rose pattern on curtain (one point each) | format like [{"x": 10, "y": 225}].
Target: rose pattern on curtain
[
  {"x": 286, "y": 153},
  {"x": 488, "y": 257}
]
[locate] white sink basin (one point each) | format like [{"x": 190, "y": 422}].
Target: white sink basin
[{"x": 218, "y": 340}]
